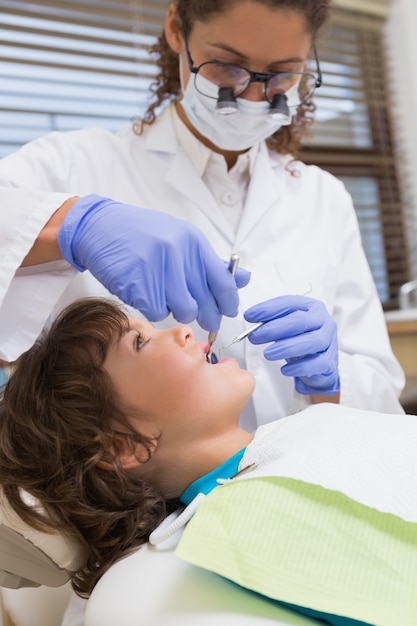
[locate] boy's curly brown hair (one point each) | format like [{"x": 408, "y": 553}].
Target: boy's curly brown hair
[{"x": 57, "y": 418}]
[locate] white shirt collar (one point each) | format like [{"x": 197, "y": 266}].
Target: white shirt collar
[{"x": 199, "y": 154}]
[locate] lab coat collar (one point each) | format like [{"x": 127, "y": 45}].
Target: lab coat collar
[
  {"x": 181, "y": 174},
  {"x": 265, "y": 188},
  {"x": 197, "y": 152},
  {"x": 160, "y": 135}
]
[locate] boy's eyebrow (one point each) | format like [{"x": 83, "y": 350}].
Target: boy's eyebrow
[
  {"x": 126, "y": 328},
  {"x": 129, "y": 328},
  {"x": 140, "y": 322}
]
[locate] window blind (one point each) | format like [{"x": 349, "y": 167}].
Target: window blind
[
  {"x": 371, "y": 7},
  {"x": 69, "y": 64},
  {"x": 353, "y": 140}
]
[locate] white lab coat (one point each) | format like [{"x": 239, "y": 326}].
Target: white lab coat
[{"x": 298, "y": 235}]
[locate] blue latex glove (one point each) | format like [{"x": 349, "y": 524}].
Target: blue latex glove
[
  {"x": 151, "y": 261},
  {"x": 304, "y": 334}
]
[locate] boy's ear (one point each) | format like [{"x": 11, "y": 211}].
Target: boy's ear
[
  {"x": 173, "y": 30},
  {"x": 129, "y": 453}
]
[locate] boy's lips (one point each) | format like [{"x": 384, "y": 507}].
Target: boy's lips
[
  {"x": 204, "y": 347},
  {"x": 209, "y": 355}
]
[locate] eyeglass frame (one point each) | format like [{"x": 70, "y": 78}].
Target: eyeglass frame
[{"x": 256, "y": 77}]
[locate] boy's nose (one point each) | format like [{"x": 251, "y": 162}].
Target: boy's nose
[{"x": 182, "y": 333}]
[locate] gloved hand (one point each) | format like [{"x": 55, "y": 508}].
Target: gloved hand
[
  {"x": 151, "y": 261},
  {"x": 304, "y": 334}
]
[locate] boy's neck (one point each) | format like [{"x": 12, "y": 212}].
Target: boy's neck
[
  {"x": 179, "y": 468},
  {"x": 212, "y": 479}
]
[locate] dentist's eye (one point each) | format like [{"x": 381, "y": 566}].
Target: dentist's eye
[{"x": 139, "y": 341}]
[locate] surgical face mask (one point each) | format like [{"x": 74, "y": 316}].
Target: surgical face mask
[{"x": 241, "y": 130}]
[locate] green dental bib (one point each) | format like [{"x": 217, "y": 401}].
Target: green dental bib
[{"x": 308, "y": 546}]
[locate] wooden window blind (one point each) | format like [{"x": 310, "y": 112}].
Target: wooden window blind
[
  {"x": 68, "y": 64},
  {"x": 353, "y": 140}
]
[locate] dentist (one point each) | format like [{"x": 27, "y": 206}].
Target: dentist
[{"x": 149, "y": 214}]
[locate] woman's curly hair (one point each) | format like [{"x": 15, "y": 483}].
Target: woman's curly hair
[
  {"x": 286, "y": 140},
  {"x": 57, "y": 418}
]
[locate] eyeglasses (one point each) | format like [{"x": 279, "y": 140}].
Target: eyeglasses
[{"x": 236, "y": 79}]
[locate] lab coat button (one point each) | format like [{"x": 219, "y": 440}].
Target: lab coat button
[{"x": 229, "y": 197}]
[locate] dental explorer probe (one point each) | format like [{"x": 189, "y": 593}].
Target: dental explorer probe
[
  {"x": 245, "y": 333},
  {"x": 250, "y": 330},
  {"x": 232, "y": 267}
]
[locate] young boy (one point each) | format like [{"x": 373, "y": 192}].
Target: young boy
[{"x": 109, "y": 422}]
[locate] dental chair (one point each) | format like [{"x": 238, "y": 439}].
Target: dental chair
[
  {"x": 154, "y": 587},
  {"x": 150, "y": 587},
  {"x": 34, "y": 577}
]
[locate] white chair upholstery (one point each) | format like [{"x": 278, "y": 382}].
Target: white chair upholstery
[{"x": 156, "y": 588}]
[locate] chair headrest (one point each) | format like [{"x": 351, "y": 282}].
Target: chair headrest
[{"x": 30, "y": 557}]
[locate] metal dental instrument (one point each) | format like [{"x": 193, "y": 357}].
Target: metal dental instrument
[
  {"x": 245, "y": 333},
  {"x": 232, "y": 267},
  {"x": 250, "y": 330}
]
